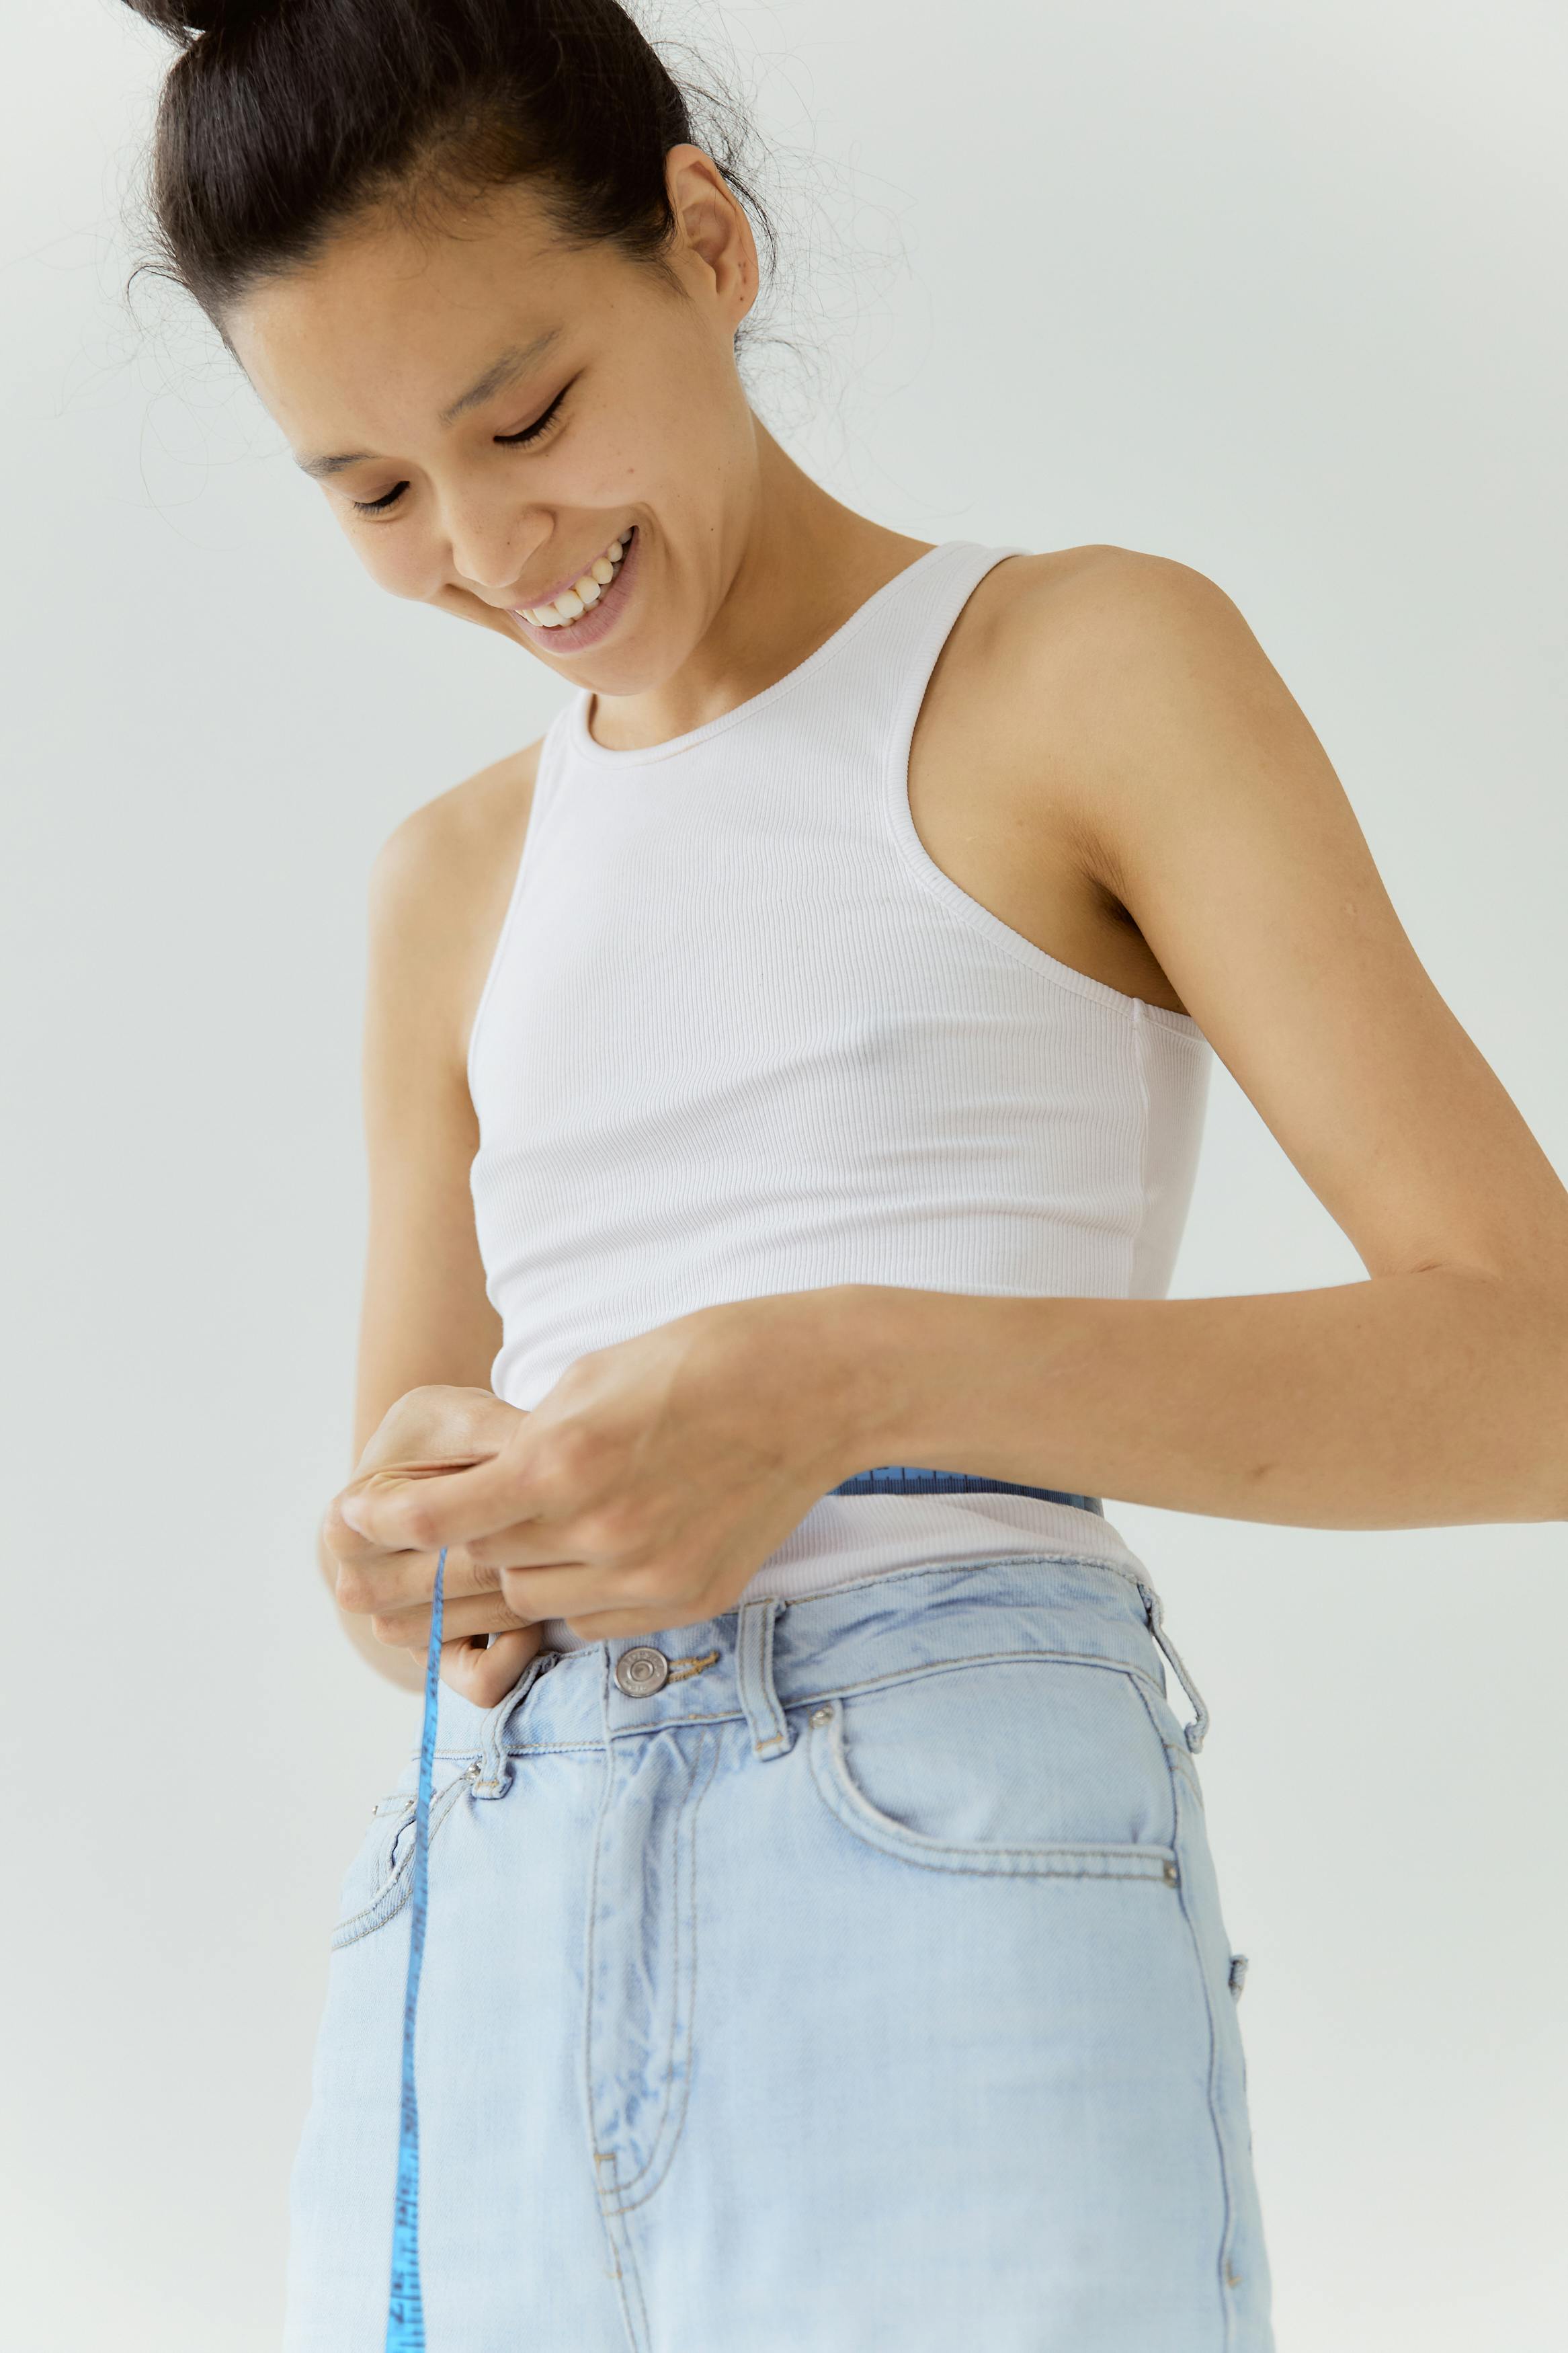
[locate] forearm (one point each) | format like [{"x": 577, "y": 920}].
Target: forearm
[
  {"x": 1427, "y": 1399},
  {"x": 400, "y": 1667}
]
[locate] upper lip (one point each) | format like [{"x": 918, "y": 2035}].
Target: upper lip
[{"x": 567, "y": 580}]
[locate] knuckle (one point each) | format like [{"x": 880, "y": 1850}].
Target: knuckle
[
  {"x": 406, "y": 1413},
  {"x": 568, "y": 1454},
  {"x": 514, "y": 1598},
  {"x": 341, "y": 1541},
  {"x": 609, "y": 1529},
  {"x": 419, "y": 1526},
  {"x": 355, "y": 1590},
  {"x": 650, "y": 1580}
]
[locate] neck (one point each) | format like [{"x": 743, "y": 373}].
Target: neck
[{"x": 802, "y": 564}]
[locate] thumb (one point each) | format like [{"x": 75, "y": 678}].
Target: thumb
[{"x": 485, "y": 1675}]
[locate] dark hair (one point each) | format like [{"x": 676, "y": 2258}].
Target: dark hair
[{"x": 282, "y": 119}]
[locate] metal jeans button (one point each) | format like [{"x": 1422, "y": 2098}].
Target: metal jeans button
[{"x": 642, "y": 1671}]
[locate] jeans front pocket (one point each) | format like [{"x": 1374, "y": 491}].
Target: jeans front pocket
[
  {"x": 378, "y": 1880},
  {"x": 1024, "y": 1766}
]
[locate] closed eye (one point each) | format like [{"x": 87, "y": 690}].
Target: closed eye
[
  {"x": 539, "y": 426},
  {"x": 530, "y": 434}
]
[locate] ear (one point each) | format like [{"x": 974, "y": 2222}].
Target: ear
[{"x": 713, "y": 229}]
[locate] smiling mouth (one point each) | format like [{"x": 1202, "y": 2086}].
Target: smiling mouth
[{"x": 564, "y": 611}]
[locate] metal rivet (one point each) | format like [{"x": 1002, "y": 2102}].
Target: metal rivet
[
  {"x": 641, "y": 1671},
  {"x": 821, "y": 1715},
  {"x": 1170, "y": 1875}
]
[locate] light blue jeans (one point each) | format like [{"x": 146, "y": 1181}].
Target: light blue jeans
[{"x": 829, "y": 1977}]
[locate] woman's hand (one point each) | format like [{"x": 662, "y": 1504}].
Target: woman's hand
[
  {"x": 428, "y": 1433},
  {"x": 650, "y": 1483}
]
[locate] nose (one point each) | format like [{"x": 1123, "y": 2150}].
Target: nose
[{"x": 493, "y": 541}]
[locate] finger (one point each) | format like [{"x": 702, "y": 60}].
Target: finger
[
  {"x": 389, "y": 1581},
  {"x": 402, "y": 1511},
  {"x": 553, "y": 1543},
  {"x": 485, "y": 1675},
  {"x": 344, "y": 1542},
  {"x": 346, "y": 1523},
  {"x": 409, "y": 1630},
  {"x": 350, "y": 1549},
  {"x": 577, "y": 1588}
]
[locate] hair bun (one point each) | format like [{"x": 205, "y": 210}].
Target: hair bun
[{"x": 183, "y": 20}]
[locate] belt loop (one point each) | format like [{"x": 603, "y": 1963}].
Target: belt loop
[
  {"x": 1194, "y": 1734},
  {"x": 492, "y": 1775},
  {"x": 771, "y": 1734}
]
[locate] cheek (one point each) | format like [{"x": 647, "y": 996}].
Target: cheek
[{"x": 400, "y": 560}]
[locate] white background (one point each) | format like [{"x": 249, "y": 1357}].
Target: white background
[{"x": 1276, "y": 289}]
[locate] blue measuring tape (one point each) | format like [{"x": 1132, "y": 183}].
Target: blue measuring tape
[
  {"x": 895, "y": 1479},
  {"x": 405, "y": 2303}
]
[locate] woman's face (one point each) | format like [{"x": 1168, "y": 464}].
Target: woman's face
[{"x": 493, "y": 413}]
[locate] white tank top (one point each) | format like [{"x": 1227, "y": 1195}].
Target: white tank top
[{"x": 741, "y": 1035}]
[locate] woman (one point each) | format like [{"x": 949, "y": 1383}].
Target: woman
[{"x": 788, "y": 1072}]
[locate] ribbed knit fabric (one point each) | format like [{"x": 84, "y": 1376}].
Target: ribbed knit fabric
[{"x": 741, "y": 1035}]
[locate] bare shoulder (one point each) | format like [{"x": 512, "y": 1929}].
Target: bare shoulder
[
  {"x": 440, "y": 885},
  {"x": 457, "y": 839},
  {"x": 1116, "y": 677},
  {"x": 1079, "y": 617}
]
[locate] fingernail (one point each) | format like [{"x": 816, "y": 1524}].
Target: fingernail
[{"x": 346, "y": 1513}]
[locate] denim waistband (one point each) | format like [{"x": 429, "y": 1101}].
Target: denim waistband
[{"x": 768, "y": 1656}]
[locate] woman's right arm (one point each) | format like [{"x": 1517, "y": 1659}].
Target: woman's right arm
[{"x": 439, "y": 890}]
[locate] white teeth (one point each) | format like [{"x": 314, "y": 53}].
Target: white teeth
[{"x": 575, "y": 601}]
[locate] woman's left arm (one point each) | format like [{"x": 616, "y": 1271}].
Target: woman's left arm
[
  {"x": 1434, "y": 1393},
  {"x": 645, "y": 1490}
]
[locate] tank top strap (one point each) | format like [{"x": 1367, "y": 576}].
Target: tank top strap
[{"x": 911, "y": 622}]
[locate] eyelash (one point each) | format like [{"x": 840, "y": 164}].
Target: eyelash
[{"x": 525, "y": 439}]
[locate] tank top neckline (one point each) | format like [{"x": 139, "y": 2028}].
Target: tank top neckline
[{"x": 585, "y": 747}]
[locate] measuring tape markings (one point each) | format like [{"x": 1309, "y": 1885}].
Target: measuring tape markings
[{"x": 405, "y": 2304}]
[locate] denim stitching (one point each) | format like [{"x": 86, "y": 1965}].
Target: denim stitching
[
  {"x": 682, "y": 1668},
  {"x": 1228, "y": 2233},
  {"x": 758, "y": 1636},
  {"x": 596, "y": 2155},
  {"x": 882, "y": 1577},
  {"x": 700, "y": 1790},
  {"x": 830, "y": 1770},
  {"x": 360, "y": 1924},
  {"x": 627, "y": 2283},
  {"x": 1177, "y": 1760},
  {"x": 692, "y": 1797}
]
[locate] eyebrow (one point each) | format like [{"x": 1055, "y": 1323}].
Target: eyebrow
[{"x": 515, "y": 361}]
